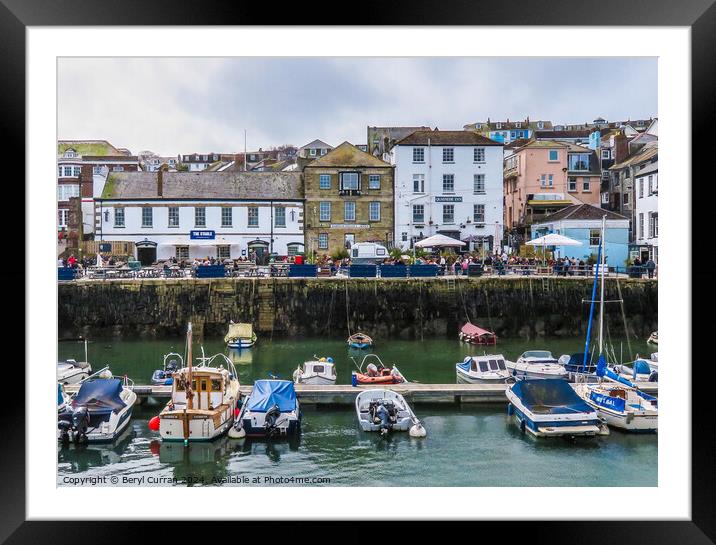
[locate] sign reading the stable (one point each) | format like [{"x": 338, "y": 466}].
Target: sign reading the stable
[
  {"x": 202, "y": 235},
  {"x": 448, "y": 199}
]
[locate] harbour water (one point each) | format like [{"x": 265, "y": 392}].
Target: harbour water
[{"x": 466, "y": 445}]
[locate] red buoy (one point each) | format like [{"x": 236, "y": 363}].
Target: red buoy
[
  {"x": 236, "y": 413},
  {"x": 154, "y": 423}
]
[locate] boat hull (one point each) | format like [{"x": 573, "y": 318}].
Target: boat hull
[
  {"x": 292, "y": 428},
  {"x": 241, "y": 344},
  {"x": 359, "y": 346},
  {"x": 464, "y": 377},
  {"x": 316, "y": 380},
  {"x": 200, "y": 427}
]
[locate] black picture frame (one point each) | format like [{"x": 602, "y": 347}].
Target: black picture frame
[{"x": 699, "y": 15}]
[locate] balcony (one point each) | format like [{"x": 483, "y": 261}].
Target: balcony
[{"x": 349, "y": 192}]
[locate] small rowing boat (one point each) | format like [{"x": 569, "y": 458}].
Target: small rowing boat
[
  {"x": 470, "y": 333},
  {"x": 360, "y": 341},
  {"x": 376, "y": 374}
]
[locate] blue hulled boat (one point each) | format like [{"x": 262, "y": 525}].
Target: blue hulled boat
[{"x": 550, "y": 408}]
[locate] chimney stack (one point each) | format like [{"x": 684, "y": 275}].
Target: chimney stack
[{"x": 160, "y": 179}]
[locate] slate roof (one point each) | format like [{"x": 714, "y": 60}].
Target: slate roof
[
  {"x": 318, "y": 144},
  {"x": 347, "y": 155},
  {"x": 205, "y": 185},
  {"x": 582, "y": 212},
  {"x": 649, "y": 151},
  {"x": 556, "y": 135},
  {"x": 447, "y": 138}
]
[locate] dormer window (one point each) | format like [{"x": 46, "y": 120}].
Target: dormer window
[
  {"x": 70, "y": 153},
  {"x": 498, "y": 125},
  {"x": 540, "y": 125},
  {"x": 518, "y": 125}
]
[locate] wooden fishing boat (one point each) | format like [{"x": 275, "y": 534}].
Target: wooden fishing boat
[
  {"x": 470, "y": 333},
  {"x": 360, "y": 341},
  {"x": 240, "y": 336},
  {"x": 376, "y": 374},
  {"x": 202, "y": 402}
]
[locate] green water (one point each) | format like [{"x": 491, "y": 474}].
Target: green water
[{"x": 465, "y": 446}]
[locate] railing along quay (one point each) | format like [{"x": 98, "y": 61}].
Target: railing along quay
[{"x": 345, "y": 394}]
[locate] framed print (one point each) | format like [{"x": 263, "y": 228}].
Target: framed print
[{"x": 385, "y": 272}]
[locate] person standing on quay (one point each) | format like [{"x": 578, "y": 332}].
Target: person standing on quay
[{"x": 650, "y": 266}]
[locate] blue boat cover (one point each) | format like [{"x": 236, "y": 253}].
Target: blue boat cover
[
  {"x": 465, "y": 365},
  {"x": 550, "y": 396},
  {"x": 100, "y": 394},
  {"x": 267, "y": 393},
  {"x": 576, "y": 364}
]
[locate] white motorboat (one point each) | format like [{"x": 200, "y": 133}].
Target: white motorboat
[
  {"x": 536, "y": 364},
  {"x": 486, "y": 369},
  {"x": 619, "y": 403},
  {"x": 551, "y": 408},
  {"x": 270, "y": 411},
  {"x": 99, "y": 411},
  {"x": 72, "y": 372},
  {"x": 384, "y": 411},
  {"x": 317, "y": 371},
  {"x": 202, "y": 402},
  {"x": 240, "y": 336}
]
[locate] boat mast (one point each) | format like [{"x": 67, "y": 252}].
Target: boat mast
[
  {"x": 601, "y": 295},
  {"x": 189, "y": 392}
]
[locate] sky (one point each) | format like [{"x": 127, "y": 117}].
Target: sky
[{"x": 187, "y": 105}]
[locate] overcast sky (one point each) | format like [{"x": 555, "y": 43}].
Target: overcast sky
[{"x": 186, "y": 105}]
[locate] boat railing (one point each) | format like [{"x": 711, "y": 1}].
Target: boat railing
[{"x": 206, "y": 361}]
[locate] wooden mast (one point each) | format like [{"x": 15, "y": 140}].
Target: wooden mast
[{"x": 189, "y": 390}]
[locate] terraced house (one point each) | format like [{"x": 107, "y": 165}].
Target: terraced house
[{"x": 349, "y": 198}]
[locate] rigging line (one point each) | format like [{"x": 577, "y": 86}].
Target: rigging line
[
  {"x": 330, "y": 309},
  {"x": 626, "y": 328}
]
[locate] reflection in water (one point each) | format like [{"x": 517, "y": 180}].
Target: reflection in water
[
  {"x": 241, "y": 357},
  {"x": 197, "y": 463},
  {"x": 82, "y": 457}
]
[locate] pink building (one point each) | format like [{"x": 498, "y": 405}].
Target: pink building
[{"x": 544, "y": 176}]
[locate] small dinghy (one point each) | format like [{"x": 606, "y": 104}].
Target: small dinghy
[
  {"x": 486, "y": 369},
  {"x": 376, "y": 374},
  {"x": 551, "y": 408},
  {"x": 385, "y": 411},
  {"x": 240, "y": 336},
  {"x": 619, "y": 403},
  {"x": 271, "y": 411},
  {"x": 470, "y": 333},
  {"x": 99, "y": 411},
  {"x": 317, "y": 371},
  {"x": 359, "y": 341},
  {"x": 171, "y": 364},
  {"x": 536, "y": 364}
]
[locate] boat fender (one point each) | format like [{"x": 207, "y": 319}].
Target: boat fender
[
  {"x": 510, "y": 409},
  {"x": 237, "y": 433},
  {"x": 523, "y": 426},
  {"x": 329, "y": 359},
  {"x": 154, "y": 423},
  {"x": 417, "y": 430}
]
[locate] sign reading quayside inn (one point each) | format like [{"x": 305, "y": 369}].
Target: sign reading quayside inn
[
  {"x": 205, "y": 234},
  {"x": 448, "y": 199},
  {"x": 347, "y": 225}
]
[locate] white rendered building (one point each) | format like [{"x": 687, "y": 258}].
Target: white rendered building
[
  {"x": 646, "y": 212},
  {"x": 450, "y": 183},
  {"x": 207, "y": 214}
]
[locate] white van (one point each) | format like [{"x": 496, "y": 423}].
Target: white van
[{"x": 368, "y": 253}]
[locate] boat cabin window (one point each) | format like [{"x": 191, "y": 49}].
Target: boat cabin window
[
  {"x": 204, "y": 385},
  {"x": 319, "y": 368},
  {"x": 501, "y": 364},
  {"x": 493, "y": 365},
  {"x": 483, "y": 366},
  {"x": 473, "y": 367},
  {"x": 216, "y": 384},
  {"x": 537, "y": 354}
]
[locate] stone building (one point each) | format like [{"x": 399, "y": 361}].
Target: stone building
[{"x": 349, "y": 198}]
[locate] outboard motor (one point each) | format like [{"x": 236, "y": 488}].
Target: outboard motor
[
  {"x": 372, "y": 370},
  {"x": 80, "y": 423},
  {"x": 270, "y": 420},
  {"x": 382, "y": 413},
  {"x": 172, "y": 366},
  {"x": 64, "y": 426}
]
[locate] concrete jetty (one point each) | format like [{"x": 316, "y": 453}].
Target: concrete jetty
[{"x": 345, "y": 394}]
